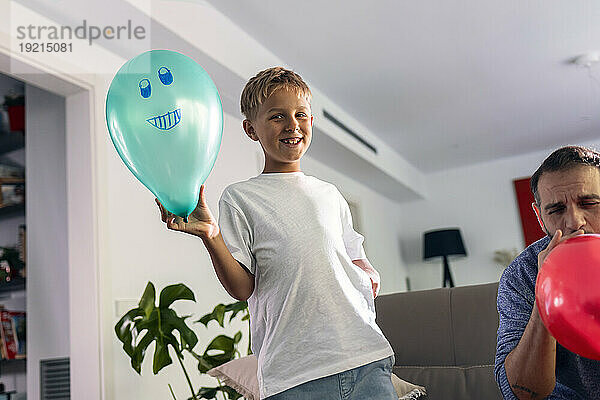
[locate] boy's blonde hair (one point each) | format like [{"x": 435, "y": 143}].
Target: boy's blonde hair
[{"x": 260, "y": 87}]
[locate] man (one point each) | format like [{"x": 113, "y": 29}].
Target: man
[{"x": 530, "y": 364}]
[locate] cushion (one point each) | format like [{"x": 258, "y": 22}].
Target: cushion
[
  {"x": 240, "y": 374},
  {"x": 406, "y": 390},
  {"x": 465, "y": 383},
  {"x": 418, "y": 326},
  {"x": 474, "y": 324},
  {"x": 445, "y": 326}
]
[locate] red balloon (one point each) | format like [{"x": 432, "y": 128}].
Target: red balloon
[{"x": 568, "y": 294}]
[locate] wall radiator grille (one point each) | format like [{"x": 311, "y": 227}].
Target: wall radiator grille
[{"x": 55, "y": 379}]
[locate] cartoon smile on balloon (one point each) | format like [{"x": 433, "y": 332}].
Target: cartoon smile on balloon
[{"x": 165, "y": 119}]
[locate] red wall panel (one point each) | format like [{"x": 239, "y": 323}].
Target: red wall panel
[{"x": 529, "y": 222}]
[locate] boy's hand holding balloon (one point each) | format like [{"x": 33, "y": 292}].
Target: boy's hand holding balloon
[{"x": 200, "y": 222}]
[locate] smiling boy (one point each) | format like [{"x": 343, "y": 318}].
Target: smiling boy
[{"x": 285, "y": 243}]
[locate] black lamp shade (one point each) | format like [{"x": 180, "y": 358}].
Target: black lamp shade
[{"x": 443, "y": 242}]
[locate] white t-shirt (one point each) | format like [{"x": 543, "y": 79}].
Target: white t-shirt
[{"x": 312, "y": 312}]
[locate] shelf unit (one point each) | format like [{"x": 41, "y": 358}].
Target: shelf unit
[
  {"x": 9, "y": 211},
  {"x": 12, "y": 286},
  {"x": 13, "y": 294},
  {"x": 13, "y": 365},
  {"x": 10, "y": 141}
]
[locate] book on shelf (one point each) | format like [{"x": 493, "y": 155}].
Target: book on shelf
[
  {"x": 12, "y": 191},
  {"x": 12, "y": 334},
  {"x": 18, "y": 325}
]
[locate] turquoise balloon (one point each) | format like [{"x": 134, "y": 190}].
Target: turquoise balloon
[{"x": 165, "y": 119}]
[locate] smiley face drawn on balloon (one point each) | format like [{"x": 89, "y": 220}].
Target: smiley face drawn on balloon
[{"x": 168, "y": 120}]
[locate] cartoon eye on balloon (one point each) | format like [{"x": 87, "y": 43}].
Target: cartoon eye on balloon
[
  {"x": 145, "y": 101},
  {"x": 165, "y": 76},
  {"x": 145, "y": 88}
]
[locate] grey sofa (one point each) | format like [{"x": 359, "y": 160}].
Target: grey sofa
[{"x": 444, "y": 339}]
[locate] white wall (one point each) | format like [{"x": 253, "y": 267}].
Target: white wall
[
  {"x": 480, "y": 199},
  {"x": 46, "y": 211},
  {"x": 85, "y": 360}
]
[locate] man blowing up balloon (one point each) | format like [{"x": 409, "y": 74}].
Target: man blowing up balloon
[{"x": 530, "y": 364}]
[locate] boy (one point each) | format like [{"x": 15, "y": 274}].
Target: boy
[{"x": 288, "y": 247}]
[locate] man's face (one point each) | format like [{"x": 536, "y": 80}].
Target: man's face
[{"x": 570, "y": 200}]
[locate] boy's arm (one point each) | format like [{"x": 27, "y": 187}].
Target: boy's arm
[
  {"x": 238, "y": 282},
  {"x": 236, "y": 279},
  {"x": 366, "y": 266},
  {"x": 353, "y": 243}
]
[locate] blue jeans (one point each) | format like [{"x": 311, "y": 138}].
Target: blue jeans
[{"x": 369, "y": 382}]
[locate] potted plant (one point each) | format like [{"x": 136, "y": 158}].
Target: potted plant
[
  {"x": 504, "y": 257},
  {"x": 11, "y": 264},
  {"x": 14, "y": 104},
  {"x": 150, "y": 323}
]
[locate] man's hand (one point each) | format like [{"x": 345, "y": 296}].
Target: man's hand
[
  {"x": 556, "y": 239},
  {"x": 200, "y": 223},
  {"x": 530, "y": 367},
  {"x": 366, "y": 266}
]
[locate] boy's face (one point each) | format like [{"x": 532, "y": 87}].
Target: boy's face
[{"x": 283, "y": 126}]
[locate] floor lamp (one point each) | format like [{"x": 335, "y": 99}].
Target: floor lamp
[{"x": 443, "y": 243}]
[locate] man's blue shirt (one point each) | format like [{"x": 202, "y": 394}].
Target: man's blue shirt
[{"x": 576, "y": 377}]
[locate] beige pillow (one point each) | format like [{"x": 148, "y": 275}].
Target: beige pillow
[
  {"x": 407, "y": 390},
  {"x": 240, "y": 374}
]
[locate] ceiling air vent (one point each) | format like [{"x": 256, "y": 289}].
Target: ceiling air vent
[
  {"x": 55, "y": 379},
  {"x": 349, "y": 131}
]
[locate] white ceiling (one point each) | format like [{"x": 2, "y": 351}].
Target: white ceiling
[{"x": 444, "y": 83}]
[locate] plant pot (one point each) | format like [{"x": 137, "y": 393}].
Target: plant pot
[{"x": 16, "y": 118}]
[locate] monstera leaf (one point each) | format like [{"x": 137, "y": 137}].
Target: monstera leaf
[
  {"x": 218, "y": 313},
  {"x": 148, "y": 323},
  {"x": 211, "y": 393},
  {"x": 220, "y": 350}
]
